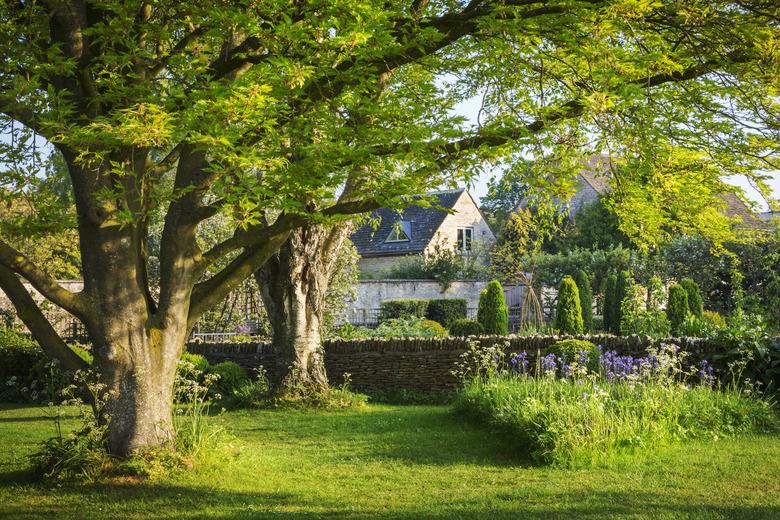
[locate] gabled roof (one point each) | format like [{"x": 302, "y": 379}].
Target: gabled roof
[
  {"x": 735, "y": 207},
  {"x": 423, "y": 224}
]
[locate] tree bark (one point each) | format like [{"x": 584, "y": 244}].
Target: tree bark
[{"x": 294, "y": 284}]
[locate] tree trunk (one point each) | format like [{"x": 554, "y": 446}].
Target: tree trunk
[{"x": 294, "y": 284}]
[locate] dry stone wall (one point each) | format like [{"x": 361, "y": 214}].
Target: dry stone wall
[{"x": 423, "y": 364}]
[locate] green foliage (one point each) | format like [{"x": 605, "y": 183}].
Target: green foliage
[
  {"x": 466, "y": 328},
  {"x": 198, "y": 362},
  {"x": 568, "y": 314},
  {"x": 442, "y": 264},
  {"x": 643, "y": 315},
  {"x": 748, "y": 352},
  {"x": 19, "y": 355},
  {"x": 493, "y": 313},
  {"x": 611, "y": 302},
  {"x": 446, "y": 311},
  {"x": 412, "y": 327},
  {"x": 677, "y": 309},
  {"x": 585, "y": 288},
  {"x": 403, "y": 309},
  {"x": 595, "y": 227},
  {"x": 695, "y": 303},
  {"x": 231, "y": 376},
  {"x": 341, "y": 286}
]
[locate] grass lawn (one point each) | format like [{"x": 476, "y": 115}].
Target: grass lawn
[{"x": 399, "y": 462}]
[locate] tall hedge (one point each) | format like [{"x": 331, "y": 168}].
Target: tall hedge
[
  {"x": 695, "y": 302},
  {"x": 447, "y": 310},
  {"x": 404, "y": 308},
  {"x": 583, "y": 281},
  {"x": 493, "y": 313},
  {"x": 568, "y": 315},
  {"x": 677, "y": 307},
  {"x": 610, "y": 324}
]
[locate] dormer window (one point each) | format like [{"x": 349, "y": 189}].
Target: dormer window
[
  {"x": 402, "y": 231},
  {"x": 464, "y": 239}
]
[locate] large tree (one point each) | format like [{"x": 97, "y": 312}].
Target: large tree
[{"x": 281, "y": 115}]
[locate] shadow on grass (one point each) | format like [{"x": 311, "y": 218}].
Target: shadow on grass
[
  {"x": 431, "y": 435},
  {"x": 164, "y": 501}
]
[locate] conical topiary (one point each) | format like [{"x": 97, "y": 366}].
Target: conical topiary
[
  {"x": 677, "y": 307},
  {"x": 568, "y": 315},
  {"x": 695, "y": 303},
  {"x": 586, "y": 298},
  {"x": 621, "y": 291},
  {"x": 493, "y": 313},
  {"x": 610, "y": 282}
]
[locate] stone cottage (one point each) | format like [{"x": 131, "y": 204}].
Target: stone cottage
[{"x": 456, "y": 222}]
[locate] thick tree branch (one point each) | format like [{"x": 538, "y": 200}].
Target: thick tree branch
[
  {"x": 75, "y": 303},
  {"x": 36, "y": 322}
]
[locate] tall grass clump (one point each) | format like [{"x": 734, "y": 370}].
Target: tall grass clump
[{"x": 560, "y": 411}]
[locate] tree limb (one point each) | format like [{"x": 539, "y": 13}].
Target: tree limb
[{"x": 36, "y": 322}]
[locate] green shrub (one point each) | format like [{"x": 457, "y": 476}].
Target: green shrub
[
  {"x": 571, "y": 347},
  {"x": 714, "y": 319},
  {"x": 466, "y": 328},
  {"x": 568, "y": 314},
  {"x": 585, "y": 288},
  {"x": 403, "y": 309},
  {"x": 199, "y": 362},
  {"x": 20, "y": 358},
  {"x": 409, "y": 328},
  {"x": 622, "y": 286},
  {"x": 231, "y": 377},
  {"x": 695, "y": 303},
  {"x": 610, "y": 297},
  {"x": 446, "y": 311},
  {"x": 677, "y": 308},
  {"x": 493, "y": 313}
]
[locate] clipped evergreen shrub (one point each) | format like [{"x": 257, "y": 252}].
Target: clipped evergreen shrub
[
  {"x": 583, "y": 281},
  {"x": 493, "y": 313},
  {"x": 622, "y": 287},
  {"x": 465, "y": 328},
  {"x": 403, "y": 309},
  {"x": 695, "y": 302},
  {"x": 610, "y": 283},
  {"x": 677, "y": 308},
  {"x": 446, "y": 310},
  {"x": 568, "y": 313}
]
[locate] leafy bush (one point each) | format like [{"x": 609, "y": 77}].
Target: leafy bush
[
  {"x": 677, "y": 308},
  {"x": 466, "y": 328},
  {"x": 572, "y": 415},
  {"x": 231, "y": 377},
  {"x": 403, "y": 309},
  {"x": 585, "y": 288},
  {"x": 413, "y": 327},
  {"x": 695, "y": 303},
  {"x": 19, "y": 356},
  {"x": 572, "y": 347},
  {"x": 568, "y": 315},
  {"x": 493, "y": 313},
  {"x": 714, "y": 319},
  {"x": 749, "y": 352},
  {"x": 446, "y": 311}
]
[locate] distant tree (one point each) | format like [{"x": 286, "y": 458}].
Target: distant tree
[{"x": 595, "y": 227}]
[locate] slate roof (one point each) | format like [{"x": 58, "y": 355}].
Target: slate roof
[
  {"x": 424, "y": 223},
  {"x": 735, "y": 207}
]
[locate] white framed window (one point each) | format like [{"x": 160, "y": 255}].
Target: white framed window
[
  {"x": 401, "y": 232},
  {"x": 465, "y": 239}
]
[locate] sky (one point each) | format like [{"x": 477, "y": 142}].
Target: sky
[{"x": 479, "y": 185}]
